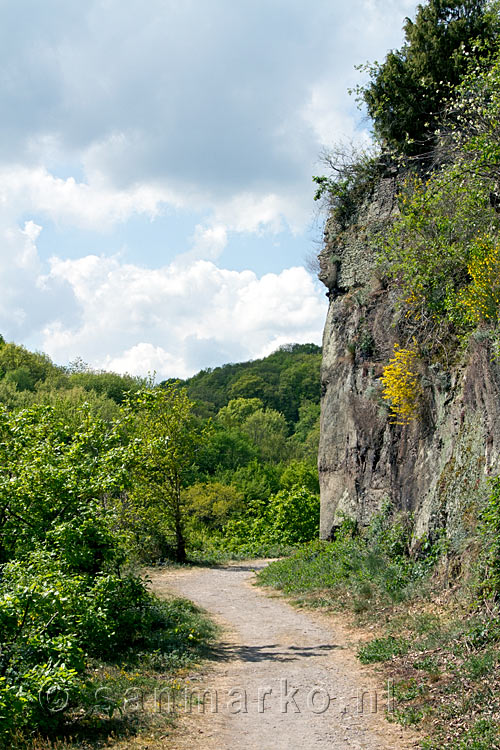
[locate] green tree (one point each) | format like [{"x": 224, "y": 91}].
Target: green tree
[
  {"x": 53, "y": 472},
  {"x": 212, "y": 504},
  {"x": 110, "y": 384},
  {"x": 299, "y": 382},
  {"x": 300, "y": 474},
  {"x": 237, "y": 411},
  {"x": 267, "y": 429},
  {"x": 406, "y": 93},
  {"x": 25, "y": 368},
  {"x": 224, "y": 449},
  {"x": 167, "y": 440},
  {"x": 256, "y": 481},
  {"x": 250, "y": 385}
]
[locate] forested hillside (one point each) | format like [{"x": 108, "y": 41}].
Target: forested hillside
[{"x": 284, "y": 381}]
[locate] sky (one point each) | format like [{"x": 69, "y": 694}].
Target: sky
[{"x": 156, "y": 200}]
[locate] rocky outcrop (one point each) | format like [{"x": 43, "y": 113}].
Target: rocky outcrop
[{"x": 437, "y": 466}]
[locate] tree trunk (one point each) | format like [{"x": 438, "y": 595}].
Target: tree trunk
[
  {"x": 180, "y": 544},
  {"x": 180, "y": 548}
]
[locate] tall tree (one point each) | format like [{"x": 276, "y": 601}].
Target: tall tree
[
  {"x": 167, "y": 440},
  {"x": 406, "y": 93}
]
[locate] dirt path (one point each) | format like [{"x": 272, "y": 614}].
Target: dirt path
[{"x": 283, "y": 680}]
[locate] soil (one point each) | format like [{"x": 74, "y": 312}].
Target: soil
[{"x": 281, "y": 678}]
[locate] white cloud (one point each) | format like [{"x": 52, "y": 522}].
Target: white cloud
[
  {"x": 100, "y": 207},
  {"x": 147, "y": 359},
  {"x": 26, "y": 301},
  {"x": 175, "y": 320},
  {"x": 208, "y": 242},
  {"x": 78, "y": 204},
  {"x": 254, "y": 213}
]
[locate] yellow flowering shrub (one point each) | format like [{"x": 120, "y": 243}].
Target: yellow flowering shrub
[
  {"x": 480, "y": 300},
  {"x": 401, "y": 385}
]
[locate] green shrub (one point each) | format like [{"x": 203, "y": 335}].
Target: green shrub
[
  {"x": 87, "y": 544},
  {"x": 53, "y": 621},
  {"x": 300, "y": 474},
  {"x": 352, "y": 176},
  {"x": 489, "y": 563},
  {"x": 286, "y": 519}
]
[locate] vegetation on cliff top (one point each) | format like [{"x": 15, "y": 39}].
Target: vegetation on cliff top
[
  {"x": 407, "y": 94},
  {"x": 440, "y": 254}
]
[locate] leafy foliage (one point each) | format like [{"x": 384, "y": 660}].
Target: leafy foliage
[
  {"x": 267, "y": 429},
  {"x": 442, "y": 249},
  {"x": 64, "y": 598},
  {"x": 288, "y": 518},
  {"x": 479, "y": 301},
  {"x": 406, "y": 94},
  {"x": 211, "y": 505},
  {"x": 428, "y": 248}
]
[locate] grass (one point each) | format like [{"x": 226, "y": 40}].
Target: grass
[
  {"x": 383, "y": 649},
  {"x": 348, "y": 573}
]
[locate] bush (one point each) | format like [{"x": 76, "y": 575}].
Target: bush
[
  {"x": 288, "y": 518},
  {"x": 479, "y": 301},
  {"x": 212, "y": 504},
  {"x": 426, "y": 250},
  {"x": 402, "y": 385},
  {"x": 300, "y": 474},
  {"x": 52, "y": 622},
  {"x": 87, "y": 544},
  {"x": 353, "y": 173}
]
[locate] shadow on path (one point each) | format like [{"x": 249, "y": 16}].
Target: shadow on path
[{"x": 273, "y": 652}]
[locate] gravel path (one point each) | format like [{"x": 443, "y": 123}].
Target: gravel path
[{"x": 283, "y": 679}]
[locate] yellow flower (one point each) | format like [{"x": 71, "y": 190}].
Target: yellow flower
[{"x": 402, "y": 385}]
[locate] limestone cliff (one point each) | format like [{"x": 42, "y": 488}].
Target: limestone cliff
[{"x": 435, "y": 467}]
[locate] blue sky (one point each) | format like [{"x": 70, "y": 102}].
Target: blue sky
[{"x": 156, "y": 203}]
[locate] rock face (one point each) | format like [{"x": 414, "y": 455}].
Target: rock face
[{"x": 437, "y": 466}]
